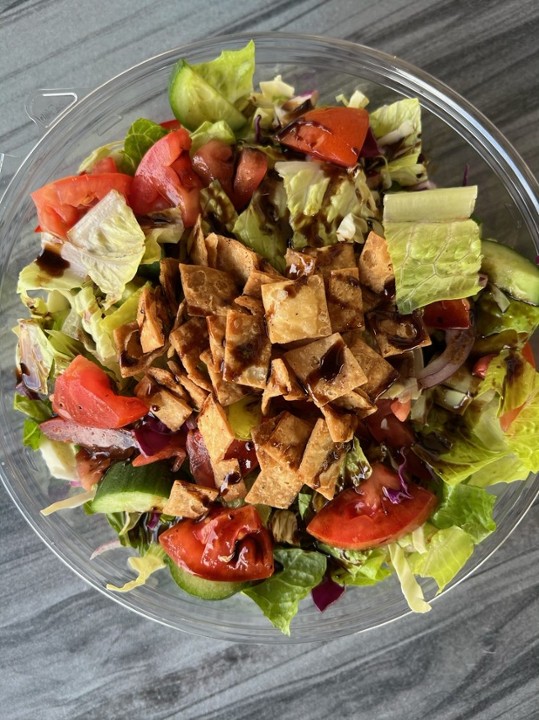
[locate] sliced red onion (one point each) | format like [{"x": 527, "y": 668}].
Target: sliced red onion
[
  {"x": 395, "y": 496},
  {"x": 111, "y": 545},
  {"x": 458, "y": 346},
  {"x": 150, "y": 438},
  {"x": 326, "y": 593},
  {"x": 258, "y": 130},
  {"x": 370, "y": 147}
]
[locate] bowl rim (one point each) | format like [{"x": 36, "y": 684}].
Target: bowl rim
[{"x": 440, "y": 100}]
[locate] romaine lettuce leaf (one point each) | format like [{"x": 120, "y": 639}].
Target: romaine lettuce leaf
[
  {"x": 35, "y": 355},
  {"x": 434, "y": 259},
  {"x": 60, "y": 460},
  {"x": 231, "y": 74},
  {"x": 519, "y": 316},
  {"x": 34, "y": 277},
  {"x": 279, "y": 596},
  {"x": 109, "y": 243},
  {"x": 512, "y": 377},
  {"x": 447, "y": 553},
  {"x": 31, "y": 434},
  {"x": 506, "y": 469},
  {"x": 358, "y": 567},
  {"x": 469, "y": 508},
  {"x": 219, "y": 130},
  {"x": 319, "y": 202},
  {"x": 356, "y": 465},
  {"x": 523, "y": 435},
  {"x": 38, "y": 410},
  {"x": 411, "y": 589},
  {"x": 139, "y": 139}
]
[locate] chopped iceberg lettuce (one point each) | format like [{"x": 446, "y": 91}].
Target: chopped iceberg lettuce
[
  {"x": 411, "y": 589},
  {"x": 435, "y": 252},
  {"x": 219, "y": 130}
]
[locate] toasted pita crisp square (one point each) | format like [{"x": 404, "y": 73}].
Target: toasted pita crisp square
[
  {"x": 207, "y": 291},
  {"x": 150, "y": 321},
  {"x": 333, "y": 257},
  {"x": 228, "y": 479},
  {"x": 326, "y": 368},
  {"x": 370, "y": 299},
  {"x": 211, "y": 242},
  {"x": 172, "y": 410},
  {"x": 190, "y": 340},
  {"x": 281, "y": 383},
  {"x": 234, "y": 258},
  {"x": 215, "y": 429},
  {"x": 296, "y": 309},
  {"x": 341, "y": 424},
  {"x": 133, "y": 361},
  {"x": 196, "y": 246},
  {"x": 256, "y": 279},
  {"x": 247, "y": 350},
  {"x": 196, "y": 394},
  {"x": 380, "y": 374},
  {"x": 358, "y": 402},
  {"x": 299, "y": 264},
  {"x": 216, "y": 336},
  {"x": 397, "y": 334},
  {"x": 227, "y": 392},
  {"x": 282, "y": 439},
  {"x": 169, "y": 279},
  {"x": 168, "y": 380},
  {"x": 322, "y": 461},
  {"x": 345, "y": 302},
  {"x": 277, "y": 487},
  {"x": 189, "y": 500},
  {"x": 252, "y": 305},
  {"x": 375, "y": 267}
]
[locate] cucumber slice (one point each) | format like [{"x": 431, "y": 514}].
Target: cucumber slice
[
  {"x": 201, "y": 588},
  {"x": 125, "y": 488},
  {"x": 510, "y": 271},
  {"x": 193, "y": 100}
]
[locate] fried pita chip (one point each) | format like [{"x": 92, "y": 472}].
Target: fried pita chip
[
  {"x": 150, "y": 321},
  {"x": 344, "y": 299},
  {"x": 216, "y": 336},
  {"x": 207, "y": 291},
  {"x": 247, "y": 350},
  {"x": 333, "y": 257},
  {"x": 341, "y": 424},
  {"x": 196, "y": 247},
  {"x": 256, "y": 279},
  {"x": 281, "y": 383},
  {"x": 299, "y": 264},
  {"x": 375, "y": 267},
  {"x": 326, "y": 368},
  {"x": 196, "y": 394},
  {"x": 190, "y": 340},
  {"x": 227, "y": 392},
  {"x": 168, "y": 380},
  {"x": 234, "y": 258},
  {"x": 380, "y": 374},
  {"x": 132, "y": 360},
  {"x": 396, "y": 334},
  {"x": 322, "y": 461},
  {"x": 277, "y": 487},
  {"x": 283, "y": 439},
  {"x": 189, "y": 500},
  {"x": 215, "y": 429},
  {"x": 253, "y": 305},
  {"x": 169, "y": 279},
  {"x": 296, "y": 309},
  {"x": 172, "y": 410}
]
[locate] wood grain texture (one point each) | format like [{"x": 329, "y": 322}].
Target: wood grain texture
[{"x": 67, "y": 651}]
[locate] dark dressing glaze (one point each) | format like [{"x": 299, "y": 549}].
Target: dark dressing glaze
[
  {"x": 52, "y": 263},
  {"x": 330, "y": 365}
]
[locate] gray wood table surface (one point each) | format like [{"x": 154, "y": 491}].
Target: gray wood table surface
[{"x": 68, "y": 652}]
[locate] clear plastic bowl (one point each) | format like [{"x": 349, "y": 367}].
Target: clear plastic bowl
[{"x": 455, "y": 135}]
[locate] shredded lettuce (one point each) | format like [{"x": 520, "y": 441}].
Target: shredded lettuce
[
  {"x": 144, "y": 566},
  {"x": 109, "y": 243},
  {"x": 70, "y": 502},
  {"x": 358, "y": 567},
  {"x": 279, "y": 596}
]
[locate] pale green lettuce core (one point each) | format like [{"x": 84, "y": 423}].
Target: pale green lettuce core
[
  {"x": 435, "y": 250},
  {"x": 109, "y": 243}
]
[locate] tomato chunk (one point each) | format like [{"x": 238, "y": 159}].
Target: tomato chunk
[
  {"x": 62, "y": 203},
  {"x": 386, "y": 427},
  {"x": 83, "y": 393},
  {"x": 365, "y": 519},
  {"x": 333, "y": 134},
  {"x": 165, "y": 178},
  {"x": 215, "y": 161},
  {"x": 228, "y": 544},
  {"x": 250, "y": 171},
  {"x": 445, "y": 314}
]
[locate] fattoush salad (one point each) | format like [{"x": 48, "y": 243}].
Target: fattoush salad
[{"x": 270, "y": 352}]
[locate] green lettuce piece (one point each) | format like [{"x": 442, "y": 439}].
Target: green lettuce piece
[
  {"x": 207, "y": 131},
  {"x": 506, "y": 469},
  {"x": 231, "y": 74},
  {"x": 469, "y": 508},
  {"x": 448, "y": 551},
  {"x": 38, "y": 410},
  {"x": 35, "y": 354},
  {"x": 512, "y": 377},
  {"x": 523, "y": 435},
  {"x": 31, "y": 434},
  {"x": 109, "y": 243},
  {"x": 279, "y": 596},
  {"x": 433, "y": 261},
  {"x": 263, "y": 225},
  {"x": 216, "y": 207},
  {"x": 519, "y": 316},
  {"x": 411, "y": 589},
  {"x": 139, "y": 139},
  {"x": 33, "y": 277},
  {"x": 272, "y": 95},
  {"x": 356, "y": 465},
  {"x": 319, "y": 203},
  {"x": 358, "y": 567},
  {"x": 113, "y": 150},
  {"x": 406, "y": 170}
]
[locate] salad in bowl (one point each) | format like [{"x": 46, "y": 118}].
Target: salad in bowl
[{"x": 271, "y": 352}]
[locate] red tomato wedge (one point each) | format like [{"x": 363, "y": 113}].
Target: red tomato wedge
[
  {"x": 400, "y": 409},
  {"x": 61, "y": 203},
  {"x": 365, "y": 519},
  {"x": 250, "y": 171},
  {"x": 228, "y": 544},
  {"x": 165, "y": 178},
  {"x": 171, "y": 124},
  {"x": 106, "y": 165},
  {"x": 215, "y": 161},
  {"x": 83, "y": 393},
  {"x": 386, "y": 426},
  {"x": 445, "y": 314},
  {"x": 333, "y": 134}
]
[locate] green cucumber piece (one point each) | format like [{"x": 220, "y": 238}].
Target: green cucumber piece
[
  {"x": 201, "y": 588},
  {"x": 193, "y": 100},
  {"x": 510, "y": 271},
  {"x": 125, "y": 488}
]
